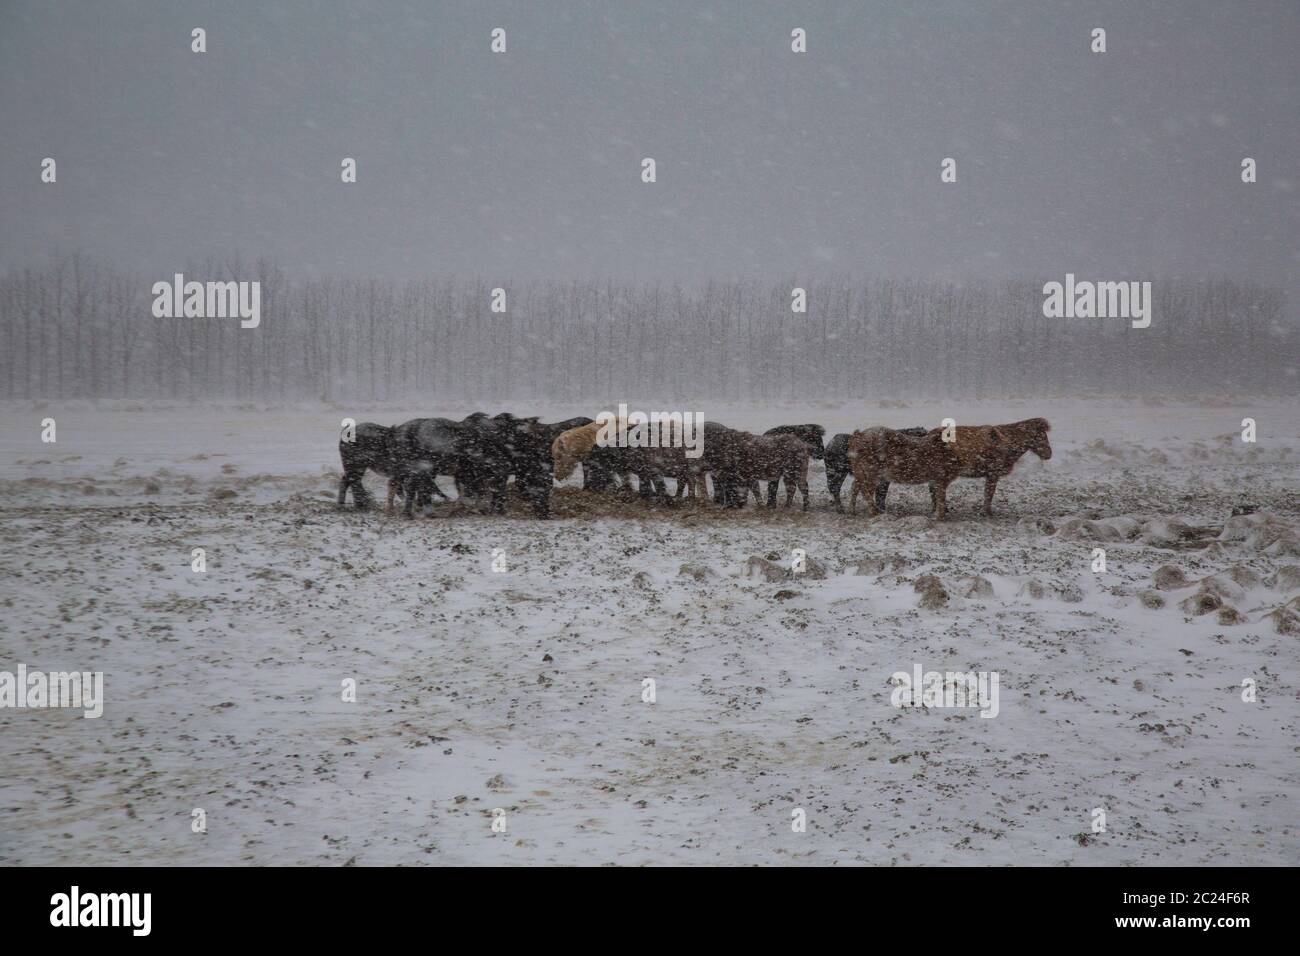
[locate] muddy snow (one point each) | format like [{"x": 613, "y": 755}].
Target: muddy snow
[{"x": 502, "y": 663}]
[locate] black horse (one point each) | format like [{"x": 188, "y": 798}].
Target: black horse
[
  {"x": 729, "y": 458},
  {"x": 424, "y": 448},
  {"x": 480, "y": 453},
  {"x": 371, "y": 449}
]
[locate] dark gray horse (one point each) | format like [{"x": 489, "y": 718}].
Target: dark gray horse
[
  {"x": 812, "y": 435},
  {"x": 370, "y": 450},
  {"x": 480, "y": 453},
  {"x": 424, "y": 448}
]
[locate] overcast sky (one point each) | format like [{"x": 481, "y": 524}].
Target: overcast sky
[{"x": 1119, "y": 165}]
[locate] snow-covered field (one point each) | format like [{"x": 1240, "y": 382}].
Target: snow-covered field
[{"x": 522, "y": 689}]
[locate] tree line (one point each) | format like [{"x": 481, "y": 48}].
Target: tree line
[{"x": 78, "y": 328}]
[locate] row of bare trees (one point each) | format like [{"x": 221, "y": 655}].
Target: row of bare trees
[{"x": 80, "y": 329}]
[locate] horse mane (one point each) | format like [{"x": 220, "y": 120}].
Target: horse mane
[
  {"x": 573, "y": 446},
  {"x": 1028, "y": 427},
  {"x": 581, "y": 440}
]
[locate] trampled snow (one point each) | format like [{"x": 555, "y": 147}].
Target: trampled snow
[{"x": 523, "y": 689}]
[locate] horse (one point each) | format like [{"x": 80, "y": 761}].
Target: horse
[
  {"x": 372, "y": 449},
  {"x": 991, "y": 451},
  {"x": 741, "y": 460},
  {"x": 837, "y": 467},
  {"x": 884, "y": 454},
  {"x": 650, "y": 464}
]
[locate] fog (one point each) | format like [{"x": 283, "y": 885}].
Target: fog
[
  {"x": 79, "y": 330},
  {"x": 773, "y": 168}
]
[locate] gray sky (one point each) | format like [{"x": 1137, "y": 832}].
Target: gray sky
[{"x": 1120, "y": 165}]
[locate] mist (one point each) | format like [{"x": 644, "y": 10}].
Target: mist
[
  {"x": 82, "y": 330},
  {"x": 524, "y": 168}
]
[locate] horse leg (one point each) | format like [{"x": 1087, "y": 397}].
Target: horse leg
[
  {"x": 940, "y": 492},
  {"x": 737, "y": 491},
  {"x": 803, "y": 488},
  {"x": 352, "y": 479},
  {"x": 870, "y": 480},
  {"x": 360, "y": 497},
  {"x": 882, "y": 492},
  {"x": 833, "y": 485},
  {"x": 990, "y": 486},
  {"x": 602, "y": 477},
  {"x": 537, "y": 490}
]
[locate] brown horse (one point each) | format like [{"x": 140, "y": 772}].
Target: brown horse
[
  {"x": 991, "y": 451},
  {"x": 882, "y": 454},
  {"x": 650, "y": 465},
  {"x": 571, "y": 447}
]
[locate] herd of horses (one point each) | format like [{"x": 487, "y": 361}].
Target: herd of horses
[{"x": 481, "y": 453}]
